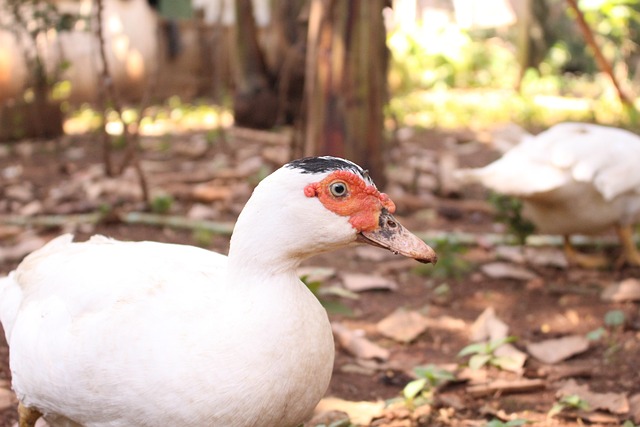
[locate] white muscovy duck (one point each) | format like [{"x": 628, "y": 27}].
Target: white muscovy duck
[
  {"x": 574, "y": 178},
  {"x": 108, "y": 333}
]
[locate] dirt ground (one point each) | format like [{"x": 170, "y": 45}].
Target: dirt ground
[{"x": 210, "y": 178}]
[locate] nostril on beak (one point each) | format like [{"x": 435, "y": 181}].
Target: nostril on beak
[{"x": 391, "y": 224}]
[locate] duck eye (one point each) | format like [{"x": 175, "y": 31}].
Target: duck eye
[{"x": 338, "y": 189}]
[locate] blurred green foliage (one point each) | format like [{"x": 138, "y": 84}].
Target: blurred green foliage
[
  {"x": 509, "y": 212},
  {"x": 483, "y": 354},
  {"x": 171, "y": 116},
  {"x": 331, "y": 305},
  {"x": 511, "y": 423},
  {"x": 450, "y": 263},
  {"x": 447, "y": 58},
  {"x": 572, "y": 401},
  {"x": 421, "y": 390},
  {"x": 445, "y": 76},
  {"x": 610, "y": 333},
  {"x": 162, "y": 203},
  {"x": 617, "y": 22}
]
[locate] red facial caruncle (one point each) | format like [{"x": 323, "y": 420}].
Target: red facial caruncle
[{"x": 347, "y": 194}]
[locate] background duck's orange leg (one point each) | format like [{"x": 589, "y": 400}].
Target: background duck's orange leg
[
  {"x": 583, "y": 260},
  {"x": 630, "y": 254}
]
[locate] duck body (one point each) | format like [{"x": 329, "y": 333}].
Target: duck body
[
  {"x": 573, "y": 178},
  {"x": 108, "y": 334},
  {"x": 577, "y": 208},
  {"x": 116, "y": 337}
]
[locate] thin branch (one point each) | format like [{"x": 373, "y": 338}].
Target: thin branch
[
  {"x": 131, "y": 155},
  {"x": 597, "y": 52},
  {"x": 102, "y": 90},
  {"x": 109, "y": 93}
]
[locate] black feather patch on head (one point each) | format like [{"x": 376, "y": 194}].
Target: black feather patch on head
[{"x": 328, "y": 164}]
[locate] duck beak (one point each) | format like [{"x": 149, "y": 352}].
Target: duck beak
[{"x": 390, "y": 234}]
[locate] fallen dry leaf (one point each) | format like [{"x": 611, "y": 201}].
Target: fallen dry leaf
[
  {"x": 25, "y": 246},
  {"x": 626, "y": 290},
  {"x": 559, "y": 372},
  {"x": 546, "y": 257},
  {"x": 616, "y": 403},
  {"x": 634, "y": 408},
  {"x": 196, "y": 148},
  {"x": 356, "y": 344},
  {"x": 403, "y": 326},
  {"x": 367, "y": 282},
  {"x": 9, "y": 231},
  {"x": 504, "y": 270},
  {"x": 202, "y": 211},
  {"x": 450, "y": 400},
  {"x": 7, "y": 398},
  {"x": 360, "y": 413},
  {"x": 249, "y": 166},
  {"x": 473, "y": 376},
  {"x": 354, "y": 368},
  {"x": 446, "y": 322},
  {"x": 540, "y": 256},
  {"x": 512, "y": 359},
  {"x": 556, "y": 350},
  {"x": 448, "y": 163},
  {"x": 32, "y": 208},
  {"x": 22, "y": 192},
  {"x": 513, "y": 254},
  {"x": 426, "y": 164},
  {"x": 328, "y": 418},
  {"x": 276, "y": 155},
  {"x": 124, "y": 187},
  {"x": 488, "y": 327},
  {"x": 316, "y": 273},
  {"x": 208, "y": 193},
  {"x": 370, "y": 253},
  {"x": 596, "y": 418}
]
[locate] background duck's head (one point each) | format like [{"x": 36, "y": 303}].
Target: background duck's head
[{"x": 317, "y": 204}]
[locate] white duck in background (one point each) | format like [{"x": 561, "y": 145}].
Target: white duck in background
[
  {"x": 574, "y": 178},
  {"x": 108, "y": 333}
]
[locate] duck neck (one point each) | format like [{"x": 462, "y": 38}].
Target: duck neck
[
  {"x": 262, "y": 245},
  {"x": 260, "y": 260},
  {"x": 280, "y": 226}
]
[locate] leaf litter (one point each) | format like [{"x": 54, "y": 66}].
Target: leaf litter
[{"x": 448, "y": 321}]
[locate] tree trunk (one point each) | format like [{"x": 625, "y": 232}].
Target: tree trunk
[
  {"x": 255, "y": 101},
  {"x": 346, "y": 82}
]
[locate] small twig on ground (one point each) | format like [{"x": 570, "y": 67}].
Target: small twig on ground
[
  {"x": 226, "y": 227},
  {"x": 502, "y": 386},
  {"x": 178, "y": 222},
  {"x": 51, "y": 220}
]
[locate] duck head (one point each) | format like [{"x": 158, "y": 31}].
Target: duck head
[{"x": 318, "y": 204}]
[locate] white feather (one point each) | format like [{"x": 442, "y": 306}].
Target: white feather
[
  {"x": 108, "y": 333},
  {"x": 574, "y": 177}
]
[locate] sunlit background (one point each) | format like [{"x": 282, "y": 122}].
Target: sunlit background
[{"x": 461, "y": 63}]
